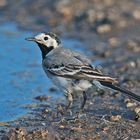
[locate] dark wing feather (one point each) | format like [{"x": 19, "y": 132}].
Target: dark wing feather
[
  {"x": 80, "y": 72},
  {"x": 73, "y": 65}
]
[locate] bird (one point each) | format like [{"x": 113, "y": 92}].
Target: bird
[{"x": 72, "y": 71}]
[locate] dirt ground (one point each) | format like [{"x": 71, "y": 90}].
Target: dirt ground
[{"x": 110, "y": 29}]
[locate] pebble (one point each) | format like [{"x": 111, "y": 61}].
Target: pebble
[
  {"x": 116, "y": 118},
  {"x": 136, "y": 14},
  {"x": 104, "y": 28},
  {"x": 137, "y": 111},
  {"x": 42, "y": 98},
  {"x": 46, "y": 110},
  {"x": 61, "y": 126},
  {"x": 76, "y": 129},
  {"x": 132, "y": 64},
  {"x": 122, "y": 24},
  {"x": 130, "y": 104},
  {"x": 4, "y": 124},
  {"x": 113, "y": 41},
  {"x": 133, "y": 45},
  {"x": 105, "y": 128}
]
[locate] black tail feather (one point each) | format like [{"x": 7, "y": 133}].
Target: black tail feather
[{"x": 126, "y": 92}]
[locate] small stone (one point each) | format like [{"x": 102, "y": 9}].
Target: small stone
[
  {"x": 105, "y": 129},
  {"x": 61, "y": 126},
  {"x": 44, "y": 124},
  {"x": 137, "y": 110},
  {"x": 130, "y": 104},
  {"x": 4, "y": 124},
  {"x": 116, "y": 118},
  {"x": 122, "y": 24},
  {"x": 113, "y": 42},
  {"x": 136, "y": 14},
  {"x": 42, "y": 98},
  {"x": 132, "y": 64},
  {"x": 131, "y": 43},
  {"x": 46, "y": 110},
  {"x": 134, "y": 46},
  {"x": 103, "y": 28},
  {"x": 76, "y": 129}
]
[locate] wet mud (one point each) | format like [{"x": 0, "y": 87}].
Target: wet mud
[{"x": 109, "y": 33}]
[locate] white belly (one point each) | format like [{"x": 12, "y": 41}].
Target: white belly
[
  {"x": 82, "y": 85},
  {"x": 69, "y": 85}
]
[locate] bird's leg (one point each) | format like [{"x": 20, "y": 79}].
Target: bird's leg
[
  {"x": 70, "y": 100},
  {"x": 84, "y": 99}
]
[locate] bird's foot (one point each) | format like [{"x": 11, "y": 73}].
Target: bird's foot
[
  {"x": 60, "y": 110},
  {"x": 68, "y": 110}
]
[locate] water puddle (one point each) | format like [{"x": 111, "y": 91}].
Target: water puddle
[{"x": 21, "y": 76}]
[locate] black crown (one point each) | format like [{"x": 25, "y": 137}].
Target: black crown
[{"x": 54, "y": 36}]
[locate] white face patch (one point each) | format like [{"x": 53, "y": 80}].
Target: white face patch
[
  {"x": 40, "y": 36},
  {"x": 49, "y": 42}
]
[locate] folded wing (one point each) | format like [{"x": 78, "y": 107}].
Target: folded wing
[{"x": 80, "y": 72}]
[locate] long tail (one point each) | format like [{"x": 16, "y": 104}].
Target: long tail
[{"x": 126, "y": 92}]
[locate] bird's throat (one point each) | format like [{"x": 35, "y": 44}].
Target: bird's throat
[{"x": 45, "y": 49}]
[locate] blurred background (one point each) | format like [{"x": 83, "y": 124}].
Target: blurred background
[{"x": 108, "y": 31}]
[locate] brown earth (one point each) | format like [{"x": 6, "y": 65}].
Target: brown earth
[{"x": 110, "y": 29}]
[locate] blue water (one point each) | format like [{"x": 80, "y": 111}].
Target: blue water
[{"x": 21, "y": 74}]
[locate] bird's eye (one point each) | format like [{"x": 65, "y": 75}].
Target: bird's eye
[{"x": 45, "y": 38}]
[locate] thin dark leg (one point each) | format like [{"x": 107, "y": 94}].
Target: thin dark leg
[{"x": 84, "y": 99}]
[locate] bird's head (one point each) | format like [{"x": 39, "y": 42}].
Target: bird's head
[{"x": 46, "y": 42}]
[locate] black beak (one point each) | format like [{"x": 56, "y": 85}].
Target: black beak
[{"x": 31, "y": 39}]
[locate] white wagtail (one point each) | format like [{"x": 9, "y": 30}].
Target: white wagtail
[{"x": 71, "y": 71}]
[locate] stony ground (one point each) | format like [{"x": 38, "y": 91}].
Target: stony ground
[{"x": 110, "y": 29}]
